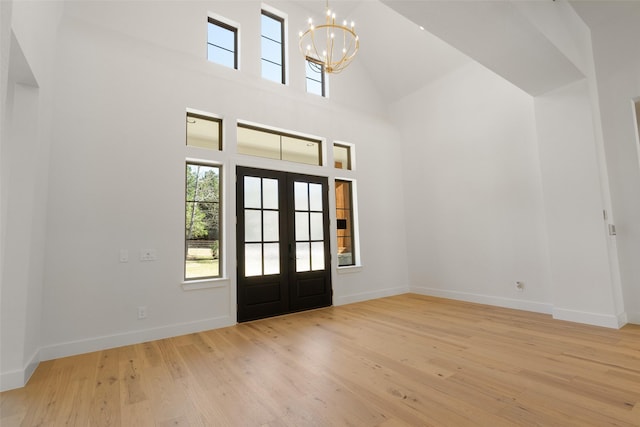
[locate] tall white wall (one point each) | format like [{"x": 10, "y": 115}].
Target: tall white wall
[
  {"x": 28, "y": 37},
  {"x": 6, "y": 106},
  {"x": 123, "y": 84},
  {"x": 583, "y": 285},
  {"x": 614, "y": 34},
  {"x": 474, "y": 208}
]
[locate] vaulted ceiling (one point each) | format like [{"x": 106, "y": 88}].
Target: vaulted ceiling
[
  {"x": 508, "y": 37},
  {"x": 520, "y": 40}
]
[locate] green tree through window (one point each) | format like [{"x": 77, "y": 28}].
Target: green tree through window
[{"x": 202, "y": 221}]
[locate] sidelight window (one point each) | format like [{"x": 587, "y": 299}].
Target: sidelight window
[
  {"x": 202, "y": 221},
  {"x": 344, "y": 223}
]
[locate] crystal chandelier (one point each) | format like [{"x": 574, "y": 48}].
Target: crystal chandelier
[{"x": 330, "y": 46}]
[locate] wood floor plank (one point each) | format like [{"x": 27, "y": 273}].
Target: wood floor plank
[
  {"x": 407, "y": 360},
  {"x": 104, "y": 409}
]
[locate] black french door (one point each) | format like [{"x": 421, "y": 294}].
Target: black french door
[{"x": 282, "y": 242}]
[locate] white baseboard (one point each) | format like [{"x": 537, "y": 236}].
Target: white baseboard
[
  {"x": 595, "y": 319},
  {"x": 134, "y": 337},
  {"x": 19, "y": 377},
  {"x": 365, "y": 296},
  {"x": 537, "y": 307},
  {"x": 12, "y": 379}
]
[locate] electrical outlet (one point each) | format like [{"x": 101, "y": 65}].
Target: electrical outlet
[
  {"x": 142, "y": 312},
  {"x": 520, "y": 286},
  {"x": 124, "y": 255}
]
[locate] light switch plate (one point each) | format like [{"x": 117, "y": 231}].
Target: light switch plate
[{"x": 148, "y": 255}]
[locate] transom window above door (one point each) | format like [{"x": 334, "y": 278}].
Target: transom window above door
[{"x": 255, "y": 141}]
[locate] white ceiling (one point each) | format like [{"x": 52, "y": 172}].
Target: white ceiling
[
  {"x": 599, "y": 12},
  {"x": 399, "y": 56},
  {"x": 499, "y": 34}
]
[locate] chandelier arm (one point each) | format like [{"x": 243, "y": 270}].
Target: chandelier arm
[
  {"x": 329, "y": 56},
  {"x": 331, "y": 43},
  {"x": 344, "y": 59},
  {"x": 313, "y": 44}
]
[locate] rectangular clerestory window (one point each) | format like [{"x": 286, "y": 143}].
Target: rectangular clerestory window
[
  {"x": 204, "y": 131},
  {"x": 273, "y": 47},
  {"x": 315, "y": 77},
  {"x": 342, "y": 156},
  {"x": 222, "y": 43}
]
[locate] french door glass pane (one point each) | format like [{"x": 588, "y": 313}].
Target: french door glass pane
[
  {"x": 271, "y": 226},
  {"x": 315, "y": 197},
  {"x": 252, "y": 192},
  {"x": 301, "y": 196},
  {"x": 316, "y": 226},
  {"x": 270, "y": 193},
  {"x": 302, "y": 257},
  {"x": 271, "y": 258},
  {"x": 302, "y": 226},
  {"x": 252, "y": 225},
  {"x": 317, "y": 256},
  {"x": 252, "y": 259}
]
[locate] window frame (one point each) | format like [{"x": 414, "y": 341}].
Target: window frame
[
  {"x": 219, "y": 23},
  {"x": 281, "y": 20},
  {"x": 204, "y": 117},
  {"x": 322, "y": 80},
  {"x": 188, "y": 162}
]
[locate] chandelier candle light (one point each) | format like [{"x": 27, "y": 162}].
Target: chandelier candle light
[{"x": 330, "y": 46}]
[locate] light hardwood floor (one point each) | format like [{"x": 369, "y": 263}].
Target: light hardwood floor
[{"x": 407, "y": 360}]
